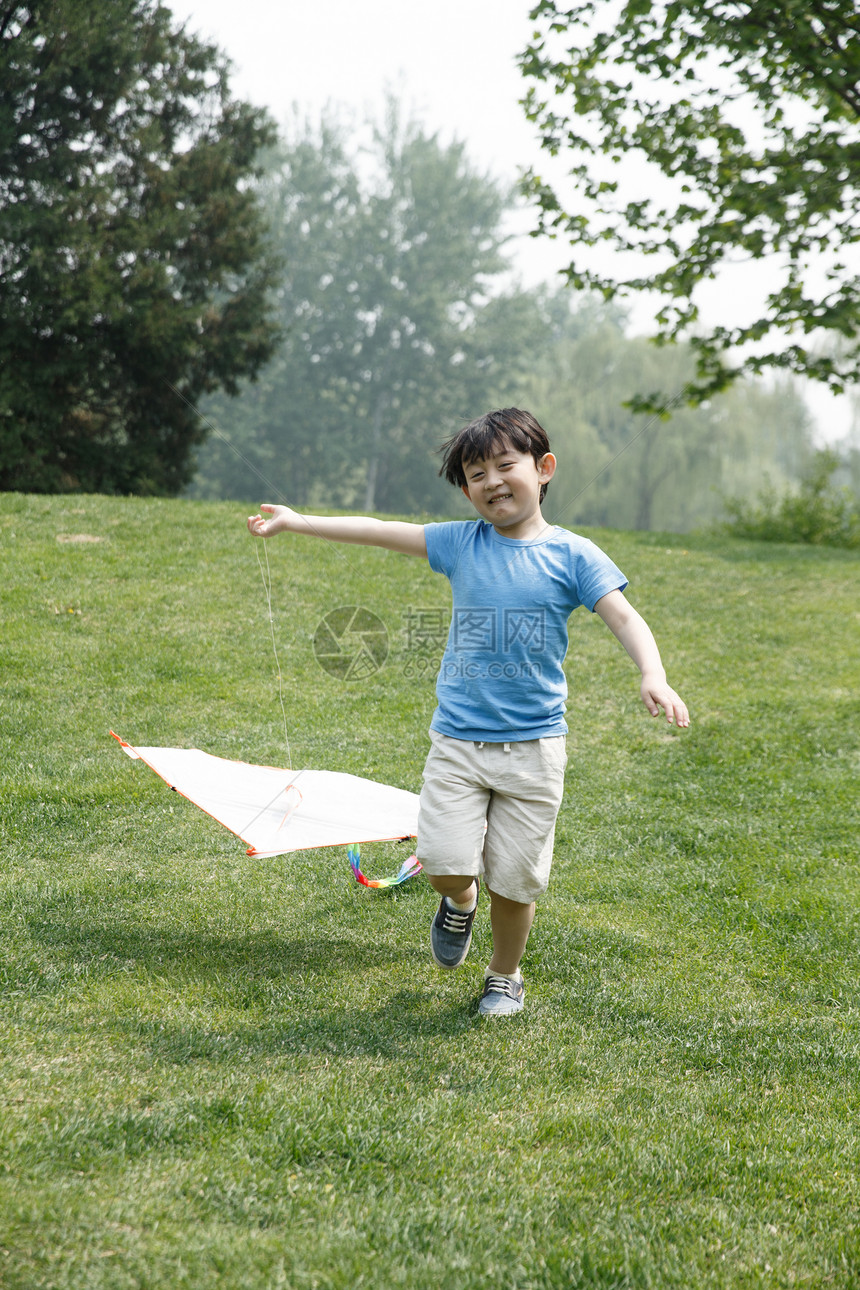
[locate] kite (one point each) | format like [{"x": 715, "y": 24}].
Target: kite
[{"x": 277, "y": 811}]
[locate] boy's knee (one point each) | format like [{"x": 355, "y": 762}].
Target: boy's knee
[{"x": 450, "y": 885}]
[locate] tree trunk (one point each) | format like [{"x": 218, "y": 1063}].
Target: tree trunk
[{"x": 373, "y": 460}]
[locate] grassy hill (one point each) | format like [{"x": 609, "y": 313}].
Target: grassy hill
[{"x": 220, "y": 1071}]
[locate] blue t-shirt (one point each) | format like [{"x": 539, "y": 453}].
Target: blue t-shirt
[{"x": 501, "y": 678}]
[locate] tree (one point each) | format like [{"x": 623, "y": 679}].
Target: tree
[
  {"x": 626, "y": 469},
  {"x": 392, "y": 337},
  {"x": 702, "y": 130},
  {"x": 132, "y": 249}
]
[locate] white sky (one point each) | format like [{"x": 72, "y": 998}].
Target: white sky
[
  {"x": 451, "y": 64},
  {"x": 454, "y": 58}
]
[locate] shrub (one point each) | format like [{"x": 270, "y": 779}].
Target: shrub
[{"x": 818, "y": 511}]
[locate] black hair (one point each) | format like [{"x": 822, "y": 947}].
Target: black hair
[{"x": 506, "y": 428}]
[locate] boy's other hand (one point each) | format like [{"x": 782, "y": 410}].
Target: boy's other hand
[
  {"x": 657, "y": 694},
  {"x": 279, "y": 522}
]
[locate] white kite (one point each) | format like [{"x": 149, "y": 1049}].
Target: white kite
[{"x": 277, "y": 811}]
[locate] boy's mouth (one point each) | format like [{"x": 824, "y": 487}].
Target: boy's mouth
[{"x": 500, "y": 497}]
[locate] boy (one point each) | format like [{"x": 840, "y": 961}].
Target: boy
[{"x": 494, "y": 775}]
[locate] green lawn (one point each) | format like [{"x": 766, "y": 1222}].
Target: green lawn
[{"x": 220, "y": 1071}]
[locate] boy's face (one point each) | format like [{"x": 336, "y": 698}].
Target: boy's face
[{"x": 504, "y": 488}]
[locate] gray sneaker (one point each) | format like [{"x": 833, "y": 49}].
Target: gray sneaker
[
  {"x": 451, "y": 932},
  {"x": 501, "y": 996}
]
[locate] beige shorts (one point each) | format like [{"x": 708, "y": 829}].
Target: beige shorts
[{"x": 491, "y": 809}]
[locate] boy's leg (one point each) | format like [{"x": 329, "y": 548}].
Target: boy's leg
[
  {"x": 528, "y": 787},
  {"x": 451, "y": 821},
  {"x": 511, "y": 922},
  {"x": 504, "y": 992}
]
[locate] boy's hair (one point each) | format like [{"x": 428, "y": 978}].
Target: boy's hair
[{"x": 506, "y": 428}]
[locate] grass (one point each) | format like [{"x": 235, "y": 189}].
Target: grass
[{"x": 223, "y": 1072}]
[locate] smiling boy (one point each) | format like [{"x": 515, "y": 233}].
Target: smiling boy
[{"x": 494, "y": 776}]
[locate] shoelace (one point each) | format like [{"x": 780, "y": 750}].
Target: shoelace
[
  {"x": 501, "y": 985},
  {"x": 455, "y": 920}
]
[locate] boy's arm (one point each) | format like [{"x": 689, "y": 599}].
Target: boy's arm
[
  {"x": 394, "y": 535},
  {"x": 635, "y": 635}
]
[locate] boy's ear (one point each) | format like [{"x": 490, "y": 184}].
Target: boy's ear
[
  {"x": 465, "y": 492},
  {"x": 546, "y": 467}
]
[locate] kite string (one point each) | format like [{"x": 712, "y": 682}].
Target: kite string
[{"x": 266, "y": 575}]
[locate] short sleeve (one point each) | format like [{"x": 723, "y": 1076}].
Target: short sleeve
[
  {"x": 443, "y": 544},
  {"x": 596, "y": 575}
]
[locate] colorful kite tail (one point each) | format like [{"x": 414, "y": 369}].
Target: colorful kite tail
[{"x": 407, "y": 870}]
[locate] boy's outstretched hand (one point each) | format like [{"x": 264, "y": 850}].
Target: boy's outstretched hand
[
  {"x": 279, "y": 522},
  {"x": 635, "y": 635},
  {"x": 657, "y": 693}
]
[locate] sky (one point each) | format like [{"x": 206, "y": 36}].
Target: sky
[
  {"x": 452, "y": 65},
  {"x": 452, "y": 61}
]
